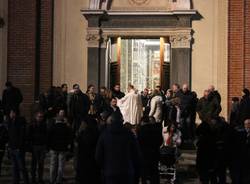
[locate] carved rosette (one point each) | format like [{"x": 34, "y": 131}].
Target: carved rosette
[
  {"x": 181, "y": 40},
  {"x": 93, "y": 37}
]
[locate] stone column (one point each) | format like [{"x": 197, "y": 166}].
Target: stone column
[
  {"x": 181, "y": 58},
  {"x": 94, "y": 56}
]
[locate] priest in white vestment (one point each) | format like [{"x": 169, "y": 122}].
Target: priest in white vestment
[{"x": 131, "y": 106}]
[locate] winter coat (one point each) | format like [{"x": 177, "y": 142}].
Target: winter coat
[
  {"x": 60, "y": 136},
  {"x": 118, "y": 94},
  {"x": 150, "y": 140},
  {"x": 38, "y": 134},
  {"x": 79, "y": 105},
  {"x": 11, "y": 99},
  {"x": 187, "y": 103},
  {"x": 206, "y": 148},
  {"x": 244, "y": 109},
  {"x": 156, "y": 108},
  {"x": 117, "y": 152},
  {"x": 17, "y": 133},
  {"x": 208, "y": 108},
  {"x": 87, "y": 169}
]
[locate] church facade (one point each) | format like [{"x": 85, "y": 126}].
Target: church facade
[{"x": 144, "y": 42}]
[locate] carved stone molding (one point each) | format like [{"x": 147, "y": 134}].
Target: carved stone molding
[
  {"x": 180, "y": 40},
  {"x": 93, "y": 37},
  {"x": 139, "y": 2}
]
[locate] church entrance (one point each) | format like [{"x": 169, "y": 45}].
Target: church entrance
[
  {"x": 144, "y": 48},
  {"x": 143, "y": 62}
]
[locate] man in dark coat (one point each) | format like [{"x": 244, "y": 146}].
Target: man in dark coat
[
  {"x": 38, "y": 138},
  {"x": 113, "y": 106},
  {"x": 206, "y": 153},
  {"x": 208, "y": 107},
  {"x": 16, "y": 143},
  {"x": 187, "y": 107},
  {"x": 79, "y": 106},
  {"x": 244, "y": 107},
  {"x": 87, "y": 170},
  {"x": 59, "y": 138},
  {"x": 117, "y": 153},
  {"x": 12, "y": 98},
  {"x": 150, "y": 140},
  {"x": 116, "y": 92},
  {"x": 240, "y": 165}
]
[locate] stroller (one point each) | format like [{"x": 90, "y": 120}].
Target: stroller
[{"x": 167, "y": 164}]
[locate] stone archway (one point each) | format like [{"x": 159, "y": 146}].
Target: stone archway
[{"x": 104, "y": 24}]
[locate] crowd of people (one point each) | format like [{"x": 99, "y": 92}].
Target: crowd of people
[{"x": 116, "y": 138}]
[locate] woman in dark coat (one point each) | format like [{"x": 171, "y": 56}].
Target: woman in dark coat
[{"x": 87, "y": 170}]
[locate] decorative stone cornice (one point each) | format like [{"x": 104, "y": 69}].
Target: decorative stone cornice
[
  {"x": 181, "y": 40},
  {"x": 93, "y": 37}
]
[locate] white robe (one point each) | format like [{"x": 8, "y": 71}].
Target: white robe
[{"x": 131, "y": 107}]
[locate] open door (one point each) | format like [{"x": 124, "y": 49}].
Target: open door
[
  {"x": 165, "y": 63},
  {"x": 114, "y": 62}
]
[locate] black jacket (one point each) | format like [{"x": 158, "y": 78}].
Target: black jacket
[
  {"x": 60, "y": 136},
  {"x": 150, "y": 140},
  {"x": 87, "y": 169},
  {"x": 187, "y": 103},
  {"x": 11, "y": 99},
  {"x": 79, "y": 105},
  {"x": 118, "y": 94},
  {"x": 38, "y": 134},
  {"x": 244, "y": 109},
  {"x": 17, "y": 133},
  {"x": 117, "y": 152}
]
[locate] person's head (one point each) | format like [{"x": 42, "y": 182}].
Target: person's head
[
  {"x": 117, "y": 88},
  {"x": 245, "y": 92},
  {"x": 169, "y": 93},
  {"x": 103, "y": 90},
  {"x": 91, "y": 88},
  {"x": 113, "y": 102},
  {"x": 235, "y": 99},
  {"x": 64, "y": 87},
  {"x": 185, "y": 88},
  {"x": 247, "y": 124},
  {"x": 158, "y": 87},
  {"x": 206, "y": 93},
  {"x": 61, "y": 114},
  {"x": 172, "y": 127},
  {"x": 39, "y": 116},
  {"x": 145, "y": 92},
  {"x": 176, "y": 87},
  {"x": 8, "y": 84},
  {"x": 130, "y": 87},
  {"x": 211, "y": 88},
  {"x": 13, "y": 114},
  {"x": 76, "y": 88}
]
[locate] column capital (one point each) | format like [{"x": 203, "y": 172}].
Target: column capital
[
  {"x": 93, "y": 37},
  {"x": 180, "y": 40}
]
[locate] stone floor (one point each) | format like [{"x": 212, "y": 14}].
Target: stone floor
[{"x": 186, "y": 173}]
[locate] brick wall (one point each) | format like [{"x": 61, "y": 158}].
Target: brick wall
[
  {"x": 239, "y": 48},
  {"x": 46, "y": 44},
  {"x": 30, "y": 47},
  {"x": 22, "y": 48}
]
